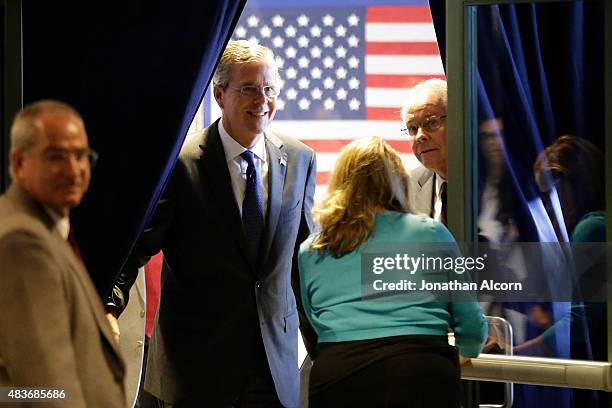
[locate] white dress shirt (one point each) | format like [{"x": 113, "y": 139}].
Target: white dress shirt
[
  {"x": 61, "y": 224},
  {"x": 237, "y": 166}
]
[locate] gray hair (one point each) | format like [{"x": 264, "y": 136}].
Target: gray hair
[
  {"x": 435, "y": 86},
  {"x": 26, "y": 125},
  {"x": 241, "y": 52}
]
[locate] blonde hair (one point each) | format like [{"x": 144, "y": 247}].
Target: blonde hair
[
  {"x": 368, "y": 177},
  {"x": 241, "y": 52}
]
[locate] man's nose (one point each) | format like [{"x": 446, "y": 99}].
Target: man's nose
[
  {"x": 421, "y": 135},
  {"x": 260, "y": 97}
]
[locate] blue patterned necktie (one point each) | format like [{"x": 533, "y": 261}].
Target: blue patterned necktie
[{"x": 252, "y": 207}]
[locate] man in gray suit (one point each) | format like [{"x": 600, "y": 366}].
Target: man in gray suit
[
  {"x": 424, "y": 116},
  {"x": 235, "y": 210},
  {"x": 53, "y": 332}
]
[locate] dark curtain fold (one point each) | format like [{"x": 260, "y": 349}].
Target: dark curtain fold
[
  {"x": 540, "y": 76},
  {"x": 137, "y": 71}
]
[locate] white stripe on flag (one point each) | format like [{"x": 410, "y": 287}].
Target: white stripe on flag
[
  {"x": 403, "y": 65},
  {"x": 400, "y": 32},
  {"x": 386, "y": 97},
  {"x": 339, "y": 129}
]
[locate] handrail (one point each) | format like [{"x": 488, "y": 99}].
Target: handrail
[{"x": 553, "y": 372}]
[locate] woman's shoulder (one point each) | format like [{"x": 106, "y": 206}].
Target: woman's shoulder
[{"x": 416, "y": 226}]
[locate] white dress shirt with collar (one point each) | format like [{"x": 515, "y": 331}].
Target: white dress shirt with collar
[
  {"x": 62, "y": 224},
  {"x": 237, "y": 166}
]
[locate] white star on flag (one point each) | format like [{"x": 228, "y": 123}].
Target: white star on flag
[
  {"x": 278, "y": 21},
  {"x": 316, "y": 93},
  {"x": 328, "y": 41},
  {"x": 353, "y": 83},
  {"x": 341, "y": 73},
  {"x": 303, "y": 83},
  {"x": 315, "y": 31},
  {"x": 290, "y": 31},
  {"x": 353, "y": 62},
  {"x": 252, "y": 21},
  {"x": 353, "y": 41},
  {"x": 303, "y": 20},
  {"x": 328, "y": 20},
  {"x": 304, "y": 104},
  {"x": 340, "y": 31},
  {"x": 341, "y": 94},
  {"x": 290, "y": 52},
  {"x": 241, "y": 32},
  {"x": 278, "y": 41},
  {"x": 354, "y": 104},
  {"x": 315, "y": 73},
  {"x": 291, "y": 94},
  {"x": 303, "y": 41},
  {"x": 265, "y": 31},
  {"x": 315, "y": 52},
  {"x": 328, "y": 62},
  {"x": 303, "y": 62},
  {"x": 329, "y": 104},
  {"x": 328, "y": 83},
  {"x": 291, "y": 73},
  {"x": 341, "y": 52},
  {"x": 353, "y": 20}
]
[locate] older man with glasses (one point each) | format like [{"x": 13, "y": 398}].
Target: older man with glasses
[
  {"x": 424, "y": 118},
  {"x": 54, "y": 336},
  {"x": 235, "y": 210}
]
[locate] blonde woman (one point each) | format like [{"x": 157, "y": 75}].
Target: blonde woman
[{"x": 378, "y": 353}]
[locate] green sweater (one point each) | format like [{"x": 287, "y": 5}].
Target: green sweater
[{"x": 331, "y": 293}]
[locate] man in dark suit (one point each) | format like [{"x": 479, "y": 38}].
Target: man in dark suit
[
  {"x": 53, "y": 332},
  {"x": 424, "y": 117},
  {"x": 235, "y": 210}
]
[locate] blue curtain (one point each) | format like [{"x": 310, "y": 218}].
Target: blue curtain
[
  {"x": 540, "y": 76},
  {"x": 137, "y": 71}
]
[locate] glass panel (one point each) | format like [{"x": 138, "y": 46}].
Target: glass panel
[{"x": 540, "y": 168}]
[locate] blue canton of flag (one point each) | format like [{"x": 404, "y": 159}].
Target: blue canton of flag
[{"x": 320, "y": 55}]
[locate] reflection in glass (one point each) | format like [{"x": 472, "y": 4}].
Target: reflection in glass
[{"x": 539, "y": 76}]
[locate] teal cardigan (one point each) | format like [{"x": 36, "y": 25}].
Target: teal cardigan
[{"x": 331, "y": 293}]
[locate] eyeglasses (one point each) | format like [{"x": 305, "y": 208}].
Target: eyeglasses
[
  {"x": 59, "y": 157},
  {"x": 429, "y": 124},
  {"x": 251, "y": 90}
]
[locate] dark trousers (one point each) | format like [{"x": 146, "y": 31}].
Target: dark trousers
[
  {"x": 412, "y": 380},
  {"x": 258, "y": 390}
]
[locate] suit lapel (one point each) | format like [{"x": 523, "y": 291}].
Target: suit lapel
[
  {"x": 216, "y": 177},
  {"x": 277, "y": 168}
]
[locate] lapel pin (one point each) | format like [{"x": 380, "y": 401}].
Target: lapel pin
[{"x": 282, "y": 161}]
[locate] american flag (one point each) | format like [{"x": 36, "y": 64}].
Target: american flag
[{"x": 345, "y": 71}]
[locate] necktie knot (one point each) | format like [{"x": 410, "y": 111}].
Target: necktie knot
[{"x": 248, "y": 156}]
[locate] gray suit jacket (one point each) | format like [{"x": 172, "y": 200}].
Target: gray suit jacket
[
  {"x": 422, "y": 183},
  {"x": 217, "y": 306},
  {"x": 53, "y": 332}
]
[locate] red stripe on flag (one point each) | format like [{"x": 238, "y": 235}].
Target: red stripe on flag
[
  {"x": 323, "y": 177},
  {"x": 335, "y": 145},
  {"x": 383, "y": 113},
  {"x": 402, "y": 48},
  {"x": 398, "y": 14},
  {"x": 397, "y": 81}
]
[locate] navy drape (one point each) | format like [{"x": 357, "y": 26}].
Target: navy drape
[
  {"x": 136, "y": 71},
  {"x": 540, "y": 75}
]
